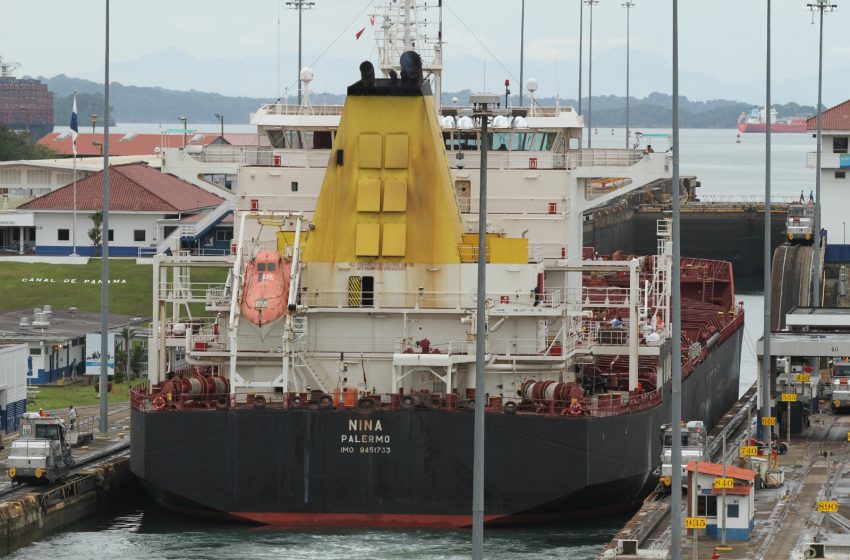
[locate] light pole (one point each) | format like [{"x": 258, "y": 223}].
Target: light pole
[
  {"x": 521, "y": 51},
  {"x": 185, "y": 122},
  {"x": 299, "y": 5},
  {"x": 765, "y": 365},
  {"x": 221, "y": 120},
  {"x": 482, "y": 105},
  {"x": 676, "y": 318},
  {"x": 590, "y": 3},
  {"x": 628, "y": 5},
  {"x": 104, "y": 263},
  {"x": 93, "y": 119},
  {"x": 822, "y": 6},
  {"x": 580, "y": 46}
]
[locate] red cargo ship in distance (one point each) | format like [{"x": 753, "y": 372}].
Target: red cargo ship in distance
[
  {"x": 755, "y": 121},
  {"x": 26, "y": 105}
]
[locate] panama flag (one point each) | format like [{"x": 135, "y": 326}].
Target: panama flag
[{"x": 74, "y": 129}]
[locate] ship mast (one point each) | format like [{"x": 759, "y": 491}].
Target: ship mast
[
  {"x": 6, "y": 68},
  {"x": 404, "y": 27}
]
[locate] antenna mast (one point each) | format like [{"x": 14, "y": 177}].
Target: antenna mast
[
  {"x": 6, "y": 68},
  {"x": 405, "y": 26}
]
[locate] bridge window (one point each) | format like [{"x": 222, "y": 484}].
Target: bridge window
[
  {"x": 293, "y": 139},
  {"x": 839, "y": 145},
  {"x": 275, "y": 138},
  {"x": 840, "y": 174}
]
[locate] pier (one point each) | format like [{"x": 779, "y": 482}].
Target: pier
[{"x": 101, "y": 474}]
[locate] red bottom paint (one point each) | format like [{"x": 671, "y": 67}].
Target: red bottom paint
[{"x": 383, "y": 520}]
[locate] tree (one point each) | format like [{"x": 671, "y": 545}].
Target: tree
[
  {"x": 137, "y": 357},
  {"x": 120, "y": 365},
  {"x": 96, "y": 232},
  {"x": 14, "y": 146}
]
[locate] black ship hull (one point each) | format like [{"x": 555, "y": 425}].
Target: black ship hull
[{"x": 308, "y": 468}]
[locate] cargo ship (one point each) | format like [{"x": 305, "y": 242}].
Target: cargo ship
[
  {"x": 755, "y": 121},
  {"x": 353, "y": 407},
  {"x": 26, "y": 105}
]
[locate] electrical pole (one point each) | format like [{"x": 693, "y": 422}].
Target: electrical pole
[
  {"x": 590, "y": 3},
  {"x": 299, "y": 5},
  {"x": 628, "y": 5},
  {"x": 765, "y": 365},
  {"x": 481, "y": 107},
  {"x": 104, "y": 241},
  {"x": 580, "y": 46},
  {"x": 676, "y": 319},
  {"x": 822, "y": 6}
]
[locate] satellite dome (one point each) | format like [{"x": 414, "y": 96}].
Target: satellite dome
[
  {"x": 465, "y": 123},
  {"x": 531, "y": 85},
  {"x": 306, "y": 74},
  {"x": 501, "y": 121}
]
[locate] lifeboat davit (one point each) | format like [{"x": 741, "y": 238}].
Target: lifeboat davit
[{"x": 266, "y": 288}]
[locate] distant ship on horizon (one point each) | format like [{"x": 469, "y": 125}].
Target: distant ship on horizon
[
  {"x": 26, "y": 105},
  {"x": 756, "y": 121}
]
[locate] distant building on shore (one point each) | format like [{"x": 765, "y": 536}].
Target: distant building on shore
[{"x": 835, "y": 178}]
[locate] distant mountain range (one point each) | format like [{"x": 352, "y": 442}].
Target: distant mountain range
[
  {"x": 141, "y": 104},
  {"x": 256, "y": 76}
]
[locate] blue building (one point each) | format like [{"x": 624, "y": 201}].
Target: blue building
[{"x": 13, "y": 385}]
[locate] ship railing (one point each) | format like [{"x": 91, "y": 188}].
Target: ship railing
[
  {"x": 551, "y": 206},
  {"x": 189, "y": 291},
  {"x": 498, "y": 160},
  {"x": 296, "y": 109},
  {"x": 603, "y": 405},
  {"x": 240, "y": 155},
  {"x": 284, "y": 200},
  {"x": 750, "y": 200},
  {"x": 423, "y": 299},
  {"x": 603, "y": 157},
  {"x": 296, "y": 158}
]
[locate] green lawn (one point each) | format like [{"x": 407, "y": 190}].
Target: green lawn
[
  {"x": 130, "y": 292},
  {"x": 78, "y": 394}
]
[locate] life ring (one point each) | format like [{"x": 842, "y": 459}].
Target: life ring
[
  {"x": 259, "y": 401},
  {"x": 326, "y": 402},
  {"x": 365, "y": 403},
  {"x": 159, "y": 402},
  {"x": 407, "y": 403},
  {"x": 221, "y": 403},
  {"x": 295, "y": 401},
  {"x": 510, "y": 407}
]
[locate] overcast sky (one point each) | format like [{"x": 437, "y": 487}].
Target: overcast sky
[{"x": 723, "y": 39}]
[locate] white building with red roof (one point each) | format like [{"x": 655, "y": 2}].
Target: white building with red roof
[
  {"x": 835, "y": 177},
  {"x": 711, "y": 497},
  {"x": 145, "y": 206}
]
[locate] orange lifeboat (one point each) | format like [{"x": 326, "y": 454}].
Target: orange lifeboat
[{"x": 266, "y": 288}]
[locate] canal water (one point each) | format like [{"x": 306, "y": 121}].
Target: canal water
[{"x": 140, "y": 530}]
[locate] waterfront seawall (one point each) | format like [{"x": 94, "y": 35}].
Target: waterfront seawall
[{"x": 33, "y": 515}]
